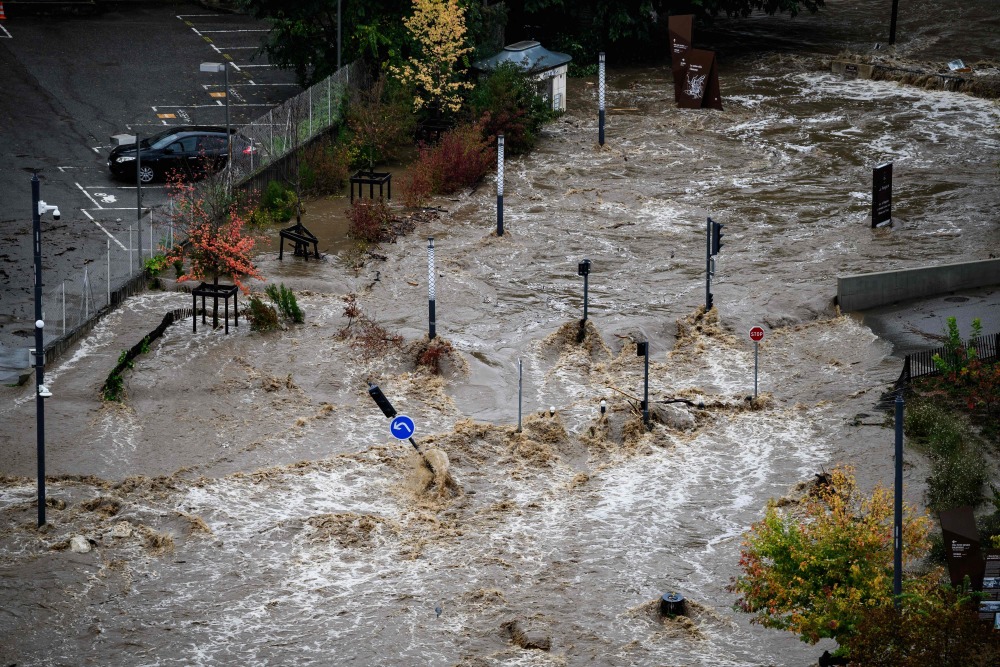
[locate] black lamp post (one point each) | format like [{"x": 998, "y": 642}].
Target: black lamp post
[
  {"x": 583, "y": 269},
  {"x": 38, "y": 207},
  {"x": 642, "y": 350}
]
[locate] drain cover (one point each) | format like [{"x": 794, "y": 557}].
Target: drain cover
[{"x": 956, "y": 299}]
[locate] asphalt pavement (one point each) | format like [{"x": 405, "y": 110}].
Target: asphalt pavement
[{"x": 67, "y": 85}]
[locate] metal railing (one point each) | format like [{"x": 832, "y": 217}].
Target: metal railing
[{"x": 922, "y": 364}]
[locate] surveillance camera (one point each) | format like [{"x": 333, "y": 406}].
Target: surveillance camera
[{"x": 44, "y": 208}]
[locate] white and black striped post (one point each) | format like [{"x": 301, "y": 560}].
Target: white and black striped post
[
  {"x": 600, "y": 99},
  {"x": 432, "y": 332},
  {"x": 499, "y": 185}
]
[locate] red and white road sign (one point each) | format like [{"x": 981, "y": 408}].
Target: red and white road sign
[{"x": 756, "y": 334}]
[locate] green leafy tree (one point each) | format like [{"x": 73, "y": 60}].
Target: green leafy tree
[
  {"x": 381, "y": 121},
  {"x": 303, "y": 35},
  {"x": 814, "y": 570},
  {"x": 507, "y": 101}
]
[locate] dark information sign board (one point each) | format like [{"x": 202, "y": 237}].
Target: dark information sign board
[
  {"x": 700, "y": 82},
  {"x": 961, "y": 547},
  {"x": 681, "y": 35},
  {"x": 881, "y": 194}
]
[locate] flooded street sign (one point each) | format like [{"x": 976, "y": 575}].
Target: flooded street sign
[
  {"x": 882, "y": 194},
  {"x": 401, "y": 427},
  {"x": 756, "y": 335}
]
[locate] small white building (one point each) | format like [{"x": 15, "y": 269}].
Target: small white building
[{"x": 548, "y": 68}]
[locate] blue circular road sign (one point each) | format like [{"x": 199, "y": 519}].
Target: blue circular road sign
[{"x": 401, "y": 427}]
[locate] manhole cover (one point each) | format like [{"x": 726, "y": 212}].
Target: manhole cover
[{"x": 956, "y": 299}]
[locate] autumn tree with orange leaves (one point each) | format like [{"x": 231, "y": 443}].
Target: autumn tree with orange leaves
[
  {"x": 816, "y": 567},
  {"x": 439, "y": 34},
  {"x": 217, "y": 241}
]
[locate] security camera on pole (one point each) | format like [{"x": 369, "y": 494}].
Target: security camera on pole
[{"x": 38, "y": 209}]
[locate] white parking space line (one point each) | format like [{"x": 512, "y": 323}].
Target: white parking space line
[
  {"x": 110, "y": 235},
  {"x": 238, "y": 30},
  {"x": 6, "y": 35},
  {"x": 87, "y": 195}
]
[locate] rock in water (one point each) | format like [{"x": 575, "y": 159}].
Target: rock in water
[
  {"x": 527, "y": 639},
  {"x": 79, "y": 544}
]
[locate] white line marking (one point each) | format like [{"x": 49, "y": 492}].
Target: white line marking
[
  {"x": 195, "y": 31},
  {"x": 200, "y": 15},
  {"x": 110, "y": 235},
  {"x": 239, "y": 30},
  {"x": 249, "y": 66},
  {"x": 9, "y": 36},
  {"x": 84, "y": 191},
  {"x": 234, "y": 48}
]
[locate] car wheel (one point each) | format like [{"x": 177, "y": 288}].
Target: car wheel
[{"x": 146, "y": 173}]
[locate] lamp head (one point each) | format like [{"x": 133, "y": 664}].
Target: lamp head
[{"x": 44, "y": 392}]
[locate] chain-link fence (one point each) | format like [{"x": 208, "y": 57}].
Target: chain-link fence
[
  {"x": 260, "y": 152},
  {"x": 273, "y": 137},
  {"x": 119, "y": 273}
]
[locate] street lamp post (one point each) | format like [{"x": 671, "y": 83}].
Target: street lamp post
[
  {"x": 38, "y": 207},
  {"x": 223, "y": 67}
]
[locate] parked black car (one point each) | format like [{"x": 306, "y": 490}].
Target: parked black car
[{"x": 189, "y": 152}]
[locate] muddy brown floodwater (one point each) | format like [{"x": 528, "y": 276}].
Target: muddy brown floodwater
[{"x": 248, "y": 505}]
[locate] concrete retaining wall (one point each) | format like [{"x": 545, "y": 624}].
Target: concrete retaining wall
[{"x": 870, "y": 290}]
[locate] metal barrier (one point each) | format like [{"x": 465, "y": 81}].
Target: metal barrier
[{"x": 922, "y": 364}]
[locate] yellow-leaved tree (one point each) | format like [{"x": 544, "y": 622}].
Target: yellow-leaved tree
[
  {"x": 815, "y": 571},
  {"x": 438, "y": 30}
]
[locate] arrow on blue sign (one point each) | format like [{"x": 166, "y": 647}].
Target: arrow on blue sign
[{"x": 401, "y": 427}]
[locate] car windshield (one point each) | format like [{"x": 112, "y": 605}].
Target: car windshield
[{"x": 159, "y": 139}]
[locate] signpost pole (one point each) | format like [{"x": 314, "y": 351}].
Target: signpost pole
[
  {"x": 755, "y": 346},
  {"x": 756, "y": 336},
  {"x": 897, "y": 525}
]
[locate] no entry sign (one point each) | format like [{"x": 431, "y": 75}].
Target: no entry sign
[{"x": 756, "y": 334}]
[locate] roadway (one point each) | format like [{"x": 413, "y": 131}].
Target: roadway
[{"x": 71, "y": 82}]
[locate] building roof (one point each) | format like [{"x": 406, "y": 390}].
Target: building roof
[{"x": 530, "y": 55}]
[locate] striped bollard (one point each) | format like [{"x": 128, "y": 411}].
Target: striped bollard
[
  {"x": 432, "y": 325},
  {"x": 600, "y": 98},
  {"x": 499, "y": 185}
]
